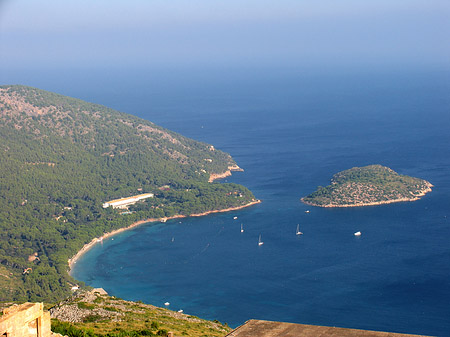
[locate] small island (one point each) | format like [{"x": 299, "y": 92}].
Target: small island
[{"x": 368, "y": 186}]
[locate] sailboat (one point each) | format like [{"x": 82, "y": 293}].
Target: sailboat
[
  {"x": 298, "y": 230},
  {"x": 260, "y": 243},
  {"x": 242, "y": 228}
]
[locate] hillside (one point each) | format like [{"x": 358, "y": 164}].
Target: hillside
[
  {"x": 90, "y": 313},
  {"x": 62, "y": 158},
  {"x": 369, "y": 185}
]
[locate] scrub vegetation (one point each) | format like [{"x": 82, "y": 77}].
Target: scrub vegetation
[
  {"x": 369, "y": 185},
  {"x": 103, "y": 315}
]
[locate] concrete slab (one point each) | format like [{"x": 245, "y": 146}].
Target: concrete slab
[{"x": 258, "y": 328}]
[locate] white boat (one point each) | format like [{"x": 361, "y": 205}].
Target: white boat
[
  {"x": 173, "y": 239},
  {"x": 260, "y": 243},
  {"x": 167, "y": 304},
  {"x": 180, "y": 311},
  {"x": 242, "y": 228},
  {"x": 235, "y": 217},
  {"x": 357, "y": 233},
  {"x": 298, "y": 230},
  {"x": 307, "y": 211}
]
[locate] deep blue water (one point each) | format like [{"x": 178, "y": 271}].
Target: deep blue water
[{"x": 291, "y": 132}]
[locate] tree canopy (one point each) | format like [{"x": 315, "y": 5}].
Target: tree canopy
[{"x": 62, "y": 158}]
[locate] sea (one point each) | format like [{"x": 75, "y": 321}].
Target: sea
[{"x": 290, "y": 130}]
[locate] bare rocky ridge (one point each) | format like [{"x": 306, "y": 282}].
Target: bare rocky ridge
[{"x": 70, "y": 310}]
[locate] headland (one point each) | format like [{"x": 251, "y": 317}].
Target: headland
[{"x": 227, "y": 173}]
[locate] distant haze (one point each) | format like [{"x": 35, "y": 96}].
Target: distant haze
[{"x": 131, "y": 33}]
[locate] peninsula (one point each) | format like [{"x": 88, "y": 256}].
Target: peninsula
[
  {"x": 368, "y": 186},
  {"x": 71, "y": 171}
]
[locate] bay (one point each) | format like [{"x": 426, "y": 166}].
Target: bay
[{"x": 291, "y": 132}]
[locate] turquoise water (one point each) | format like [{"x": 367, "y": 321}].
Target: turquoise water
[{"x": 291, "y": 133}]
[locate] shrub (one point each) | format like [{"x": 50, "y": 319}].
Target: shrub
[
  {"x": 98, "y": 300},
  {"x": 91, "y": 318},
  {"x": 111, "y": 308},
  {"x": 84, "y": 305}
]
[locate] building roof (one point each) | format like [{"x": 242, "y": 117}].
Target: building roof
[
  {"x": 132, "y": 198},
  {"x": 127, "y": 200},
  {"x": 260, "y": 328}
]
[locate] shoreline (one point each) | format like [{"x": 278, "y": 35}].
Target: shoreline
[
  {"x": 94, "y": 241},
  {"x": 227, "y": 173},
  {"x": 375, "y": 203}
]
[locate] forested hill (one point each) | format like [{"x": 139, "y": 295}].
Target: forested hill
[{"x": 61, "y": 158}]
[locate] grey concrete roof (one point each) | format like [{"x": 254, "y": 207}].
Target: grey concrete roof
[{"x": 258, "y": 328}]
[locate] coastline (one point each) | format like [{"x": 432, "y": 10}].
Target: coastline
[
  {"x": 375, "y": 203},
  {"x": 94, "y": 241},
  {"x": 227, "y": 173}
]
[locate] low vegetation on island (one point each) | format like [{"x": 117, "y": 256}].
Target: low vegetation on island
[
  {"x": 62, "y": 158},
  {"x": 369, "y": 185}
]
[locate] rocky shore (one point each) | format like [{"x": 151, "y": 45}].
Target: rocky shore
[{"x": 227, "y": 173}]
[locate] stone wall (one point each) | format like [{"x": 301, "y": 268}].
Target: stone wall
[{"x": 25, "y": 320}]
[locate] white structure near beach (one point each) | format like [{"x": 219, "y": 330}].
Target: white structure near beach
[{"x": 125, "y": 202}]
